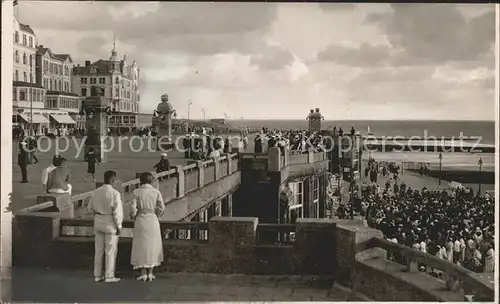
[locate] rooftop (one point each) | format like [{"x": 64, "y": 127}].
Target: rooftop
[
  {"x": 31, "y": 285},
  {"x": 26, "y": 28}
]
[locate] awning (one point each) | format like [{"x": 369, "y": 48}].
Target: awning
[
  {"x": 63, "y": 118},
  {"x": 37, "y": 118}
]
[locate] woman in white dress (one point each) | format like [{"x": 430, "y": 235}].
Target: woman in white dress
[{"x": 147, "y": 248}]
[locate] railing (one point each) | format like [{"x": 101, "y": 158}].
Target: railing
[
  {"x": 455, "y": 275},
  {"x": 170, "y": 179},
  {"x": 169, "y": 229},
  {"x": 81, "y": 200},
  {"x": 275, "y": 234}
]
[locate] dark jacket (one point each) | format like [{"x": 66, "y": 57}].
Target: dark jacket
[
  {"x": 23, "y": 158},
  {"x": 162, "y": 165}
]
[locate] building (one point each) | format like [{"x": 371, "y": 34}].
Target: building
[
  {"x": 53, "y": 72},
  {"x": 28, "y": 97},
  {"x": 118, "y": 81},
  {"x": 315, "y": 120},
  {"x": 279, "y": 193}
]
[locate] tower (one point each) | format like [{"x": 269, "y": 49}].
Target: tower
[
  {"x": 114, "y": 56},
  {"x": 315, "y": 118}
]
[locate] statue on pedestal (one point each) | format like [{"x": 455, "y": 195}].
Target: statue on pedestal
[{"x": 162, "y": 119}]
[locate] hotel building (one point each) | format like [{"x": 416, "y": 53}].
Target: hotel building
[{"x": 119, "y": 83}]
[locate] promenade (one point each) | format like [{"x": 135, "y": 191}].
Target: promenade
[
  {"x": 31, "y": 285},
  {"x": 126, "y": 163}
]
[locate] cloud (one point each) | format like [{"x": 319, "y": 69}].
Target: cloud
[
  {"x": 396, "y": 75},
  {"x": 336, "y": 7},
  {"x": 363, "y": 55},
  {"x": 413, "y": 28},
  {"x": 274, "y": 58},
  {"x": 198, "y": 28}
]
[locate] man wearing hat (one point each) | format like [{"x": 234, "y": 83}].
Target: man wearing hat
[
  {"x": 23, "y": 159},
  {"x": 163, "y": 164}
]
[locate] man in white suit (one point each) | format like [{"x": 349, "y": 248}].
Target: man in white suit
[{"x": 106, "y": 205}]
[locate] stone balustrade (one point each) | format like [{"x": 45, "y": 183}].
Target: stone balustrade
[{"x": 174, "y": 183}]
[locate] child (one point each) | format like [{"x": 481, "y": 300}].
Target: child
[{"x": 92, "y": 160}]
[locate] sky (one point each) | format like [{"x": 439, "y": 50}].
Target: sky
[{"x": 278, "y": 60}]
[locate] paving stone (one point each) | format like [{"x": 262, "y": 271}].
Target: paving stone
[
  {"x": 239, "y": 290},
  {"x": 199, "y": 289},
  {"x": 270, "y": 291},
  {"x": 301, "y": 291}
]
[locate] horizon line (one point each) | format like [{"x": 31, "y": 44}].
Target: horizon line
[{"x": 354, "y": 119}]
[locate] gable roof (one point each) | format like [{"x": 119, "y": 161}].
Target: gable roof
[
  {"x": 104, "y": 67},
  {"x": 64, "y": 57},
  {"x": 26, "y": 28}
]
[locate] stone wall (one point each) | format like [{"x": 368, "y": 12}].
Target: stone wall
[{"x": 323, "y": 247}]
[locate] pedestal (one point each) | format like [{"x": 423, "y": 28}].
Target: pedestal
[
  {"x": 96, "y": 126},
  {"x": 165, "y": 141}
]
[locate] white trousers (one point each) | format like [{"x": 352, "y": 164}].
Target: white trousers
[
  {"x": 106, "y": 246},
  {"x": 61, "y": 190}
]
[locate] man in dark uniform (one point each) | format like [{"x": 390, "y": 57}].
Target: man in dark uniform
[{"x": 23, "y": 160}]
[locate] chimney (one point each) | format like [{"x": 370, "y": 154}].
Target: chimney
[
  {"x": 87, "y": 63},
  {"x": 312, "y": 111},
  {"x": 317, "y": 110},
  {"x": 41, "y": 46}
]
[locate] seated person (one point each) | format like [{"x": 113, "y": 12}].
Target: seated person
[{"x": 59, "y": 178}]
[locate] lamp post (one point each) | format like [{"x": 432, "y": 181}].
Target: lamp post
[
  {"x": 189, "y": 112},
  {"x": 480, "y": 164},
  {"x": 440, "y": 166}
]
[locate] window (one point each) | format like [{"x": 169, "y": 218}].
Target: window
[
  {"x": 117, "y": 80},
  {"x": 45, "y": 66},
  {"x": 25, "y": 77},
  {"x": 25, "y": 58},
  {"x": 117, "y": 92},
  {"x": 14, "y": 94},
  {"x": 45, "y": 83},
  {"x": 92, "y": 80},
  {"x": 102, "y": 80},
  {"x": 31, "y": 41},
  {"x": 22, "y": 94},
  {"x": 84, "y": 92},
  {"x": 315, "y": 185},
  {"x": 16, "y": 37},
  {"x": 33, "y": 95},
  {"x": 83, "y": 80},
  {"x": 60, "y": 86},
  {"x": 31, "y": 60},
  {"x": 50, "y": 84},
  {"x": 17, "y": 56},
  {"x": 60, "y": 70},
  {"x": 16, "y": 78},
  {"x": 31, "y": 78},
  {"x": 39, "y": 95},
  {"x": 25, "y": 40}
]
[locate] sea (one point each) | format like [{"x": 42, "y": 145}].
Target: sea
[{"x": 406, "y": 128}]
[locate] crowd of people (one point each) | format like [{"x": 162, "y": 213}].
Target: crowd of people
[
  {"x": 456, "y": 225},
  {"x": 298, "y": 141}
]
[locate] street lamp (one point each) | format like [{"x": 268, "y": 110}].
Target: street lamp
[
  {"x": 189, "y": 111},
  {"x": 480, "y": 164},
  {"x": 440, "y": 166}
]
